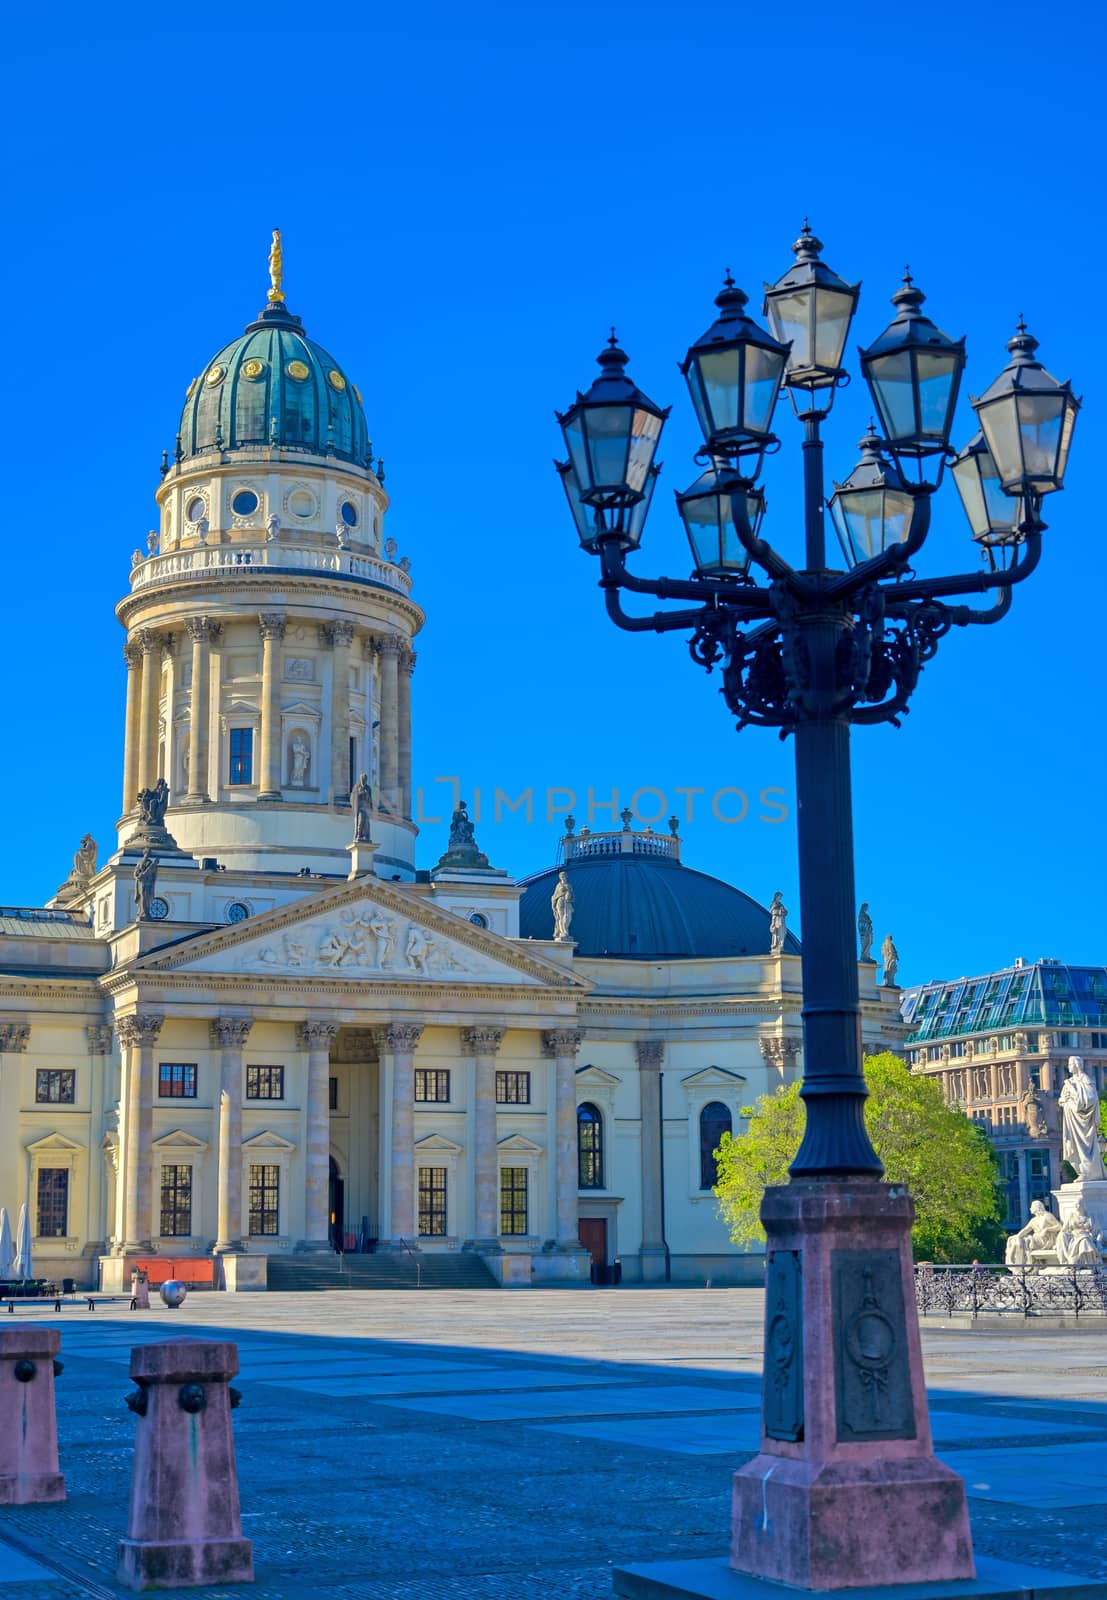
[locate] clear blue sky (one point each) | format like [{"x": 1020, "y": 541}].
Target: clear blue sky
[{"x": 469, "y": 197}]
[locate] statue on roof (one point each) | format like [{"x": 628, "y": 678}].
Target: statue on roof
[
  {"x": 562, "y": 904},
  {"x": 865, "y": 932},
  {"x": 361, "y": 803},
  {"x": 462, "y": 832},
  {"x": 890, "y": 956},
  {"x": 462, "y": 851},
  {"x": 146, "y": 878},
  {"x": 778, "y": 924},
  {"x": 276, "y": 270},
  {"x": 152, "y": 804},
  {"x": 1079, "y": 1104}
]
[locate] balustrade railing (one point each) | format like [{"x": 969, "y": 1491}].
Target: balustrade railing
[
  {"x": 202, "y": 560},
  {"x": 984, "y": 1290},
  {"x": 585, "y": 846}
]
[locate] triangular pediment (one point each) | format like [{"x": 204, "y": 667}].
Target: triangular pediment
[
  {"x": 180, "y": 1140},
  {"x": 266, "y": 1141},
  {"x": 363, "y": 931},
  {"x": 54, "y": 1144},
  {"x": 518, "y": 1144},
  {"x": 437, "y": 1144},
  {"x": 596, "y": 1078},
  {"x": 301, "y": 708},
  {"x": 713, "y": 1078}
]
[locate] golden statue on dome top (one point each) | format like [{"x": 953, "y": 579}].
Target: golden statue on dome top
[{"x": 276, "y": 269}]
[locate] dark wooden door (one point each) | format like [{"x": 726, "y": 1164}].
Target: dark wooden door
[{"x": 593, "y": 1236}]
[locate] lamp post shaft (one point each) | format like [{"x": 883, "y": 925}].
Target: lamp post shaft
[{"x": 814, "y": 516}]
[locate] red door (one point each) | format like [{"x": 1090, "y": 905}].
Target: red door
[{"x": 593, "y": 1236}]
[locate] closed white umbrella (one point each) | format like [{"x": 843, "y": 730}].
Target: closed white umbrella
[
  {"x": 23, "y": 1244},
  {"x": 6, "y": 1252}
]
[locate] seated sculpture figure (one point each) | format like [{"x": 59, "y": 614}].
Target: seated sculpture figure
[
  {"x": 1039, "y": 1235},
  {"x": 1076, "y": 1242}
]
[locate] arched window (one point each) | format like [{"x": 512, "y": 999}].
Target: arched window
[
  {"x": 715, "y": 1120},
  {"x": 589, "y": 1147}
]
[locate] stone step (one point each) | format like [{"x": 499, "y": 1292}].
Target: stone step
[{"x": 300, "y": 1274}]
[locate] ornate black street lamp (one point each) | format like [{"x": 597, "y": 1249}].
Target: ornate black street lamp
[{"x": 812, "y": 652}]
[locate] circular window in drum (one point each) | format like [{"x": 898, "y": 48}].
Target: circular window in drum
[
  {"x": 301, "y": 503},
  {"x": 237, "y": 912},
  {"x": 349, "y": 513},
  {"x": 478, "y": 919},
  {"x": 196, "y": 509},
  {"x": 245, "y": 503},
  {"x": 159, "y": 908}
]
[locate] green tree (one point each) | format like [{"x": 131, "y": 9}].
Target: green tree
[{"x": 942, "y": 1157}]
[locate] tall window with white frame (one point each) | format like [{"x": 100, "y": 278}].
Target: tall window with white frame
[
  {"x": 52, "y": 1196},
  {"x": 264, "y": 1200},
  {"x": 241, "y": 756},
  {"x": 432, "y": 1202},
  {"x": 590, "y": 1173},
  {"x": 715, "y": 1120},
  {"x": 176, "y": 1201}
]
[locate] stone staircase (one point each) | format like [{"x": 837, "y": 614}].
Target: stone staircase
[{"x": 304, "y": 1273}]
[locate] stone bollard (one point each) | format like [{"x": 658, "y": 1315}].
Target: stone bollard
[
  {"x": 28, "y": 1423},
  {"x": 184, "y": 1527},
  {"x": 140, "y": 1291}
]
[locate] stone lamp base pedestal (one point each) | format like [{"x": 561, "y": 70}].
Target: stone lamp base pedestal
[{"x": 846, "y": 1492}]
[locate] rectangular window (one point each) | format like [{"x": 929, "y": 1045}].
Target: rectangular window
[
  {"x": 242, "y": 755},
  {"x": 55, "y": 1086},
  {"x": 176, "y": 1080},
  {"x": 431, "y": 1085},
  {"x": 513, "y": 1088},
  {"x": 264, "y": 1200},
  {"x": 957, "y": 1050},
  {"x": 334, "y": 1094},
  {"x": 53, "y": 1202},
  {"x": 432, "y": 1202},
  {"x": 1099, "y": 1041},
  {"x": 513, "y": 1199},
  {"x": 176, "y": 1202},
  {"x": 354, "y": 774},
  {"x": 265, "y": 1083}
]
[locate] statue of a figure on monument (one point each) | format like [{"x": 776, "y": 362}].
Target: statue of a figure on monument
[
  {"x": 778, "y": 924},
  {"x": 463, "y": 854},
  {"x": 1040, "y": 1234},
  {"x": 1030, "y": 1104},
  {"x": 84, "y": 862},
  {"x": 1079, "y": 1105},
  {"x": 152, "y": 804},
  {"x": 1076, "y": 1243},
  {"x": 890, "y": 956},
  {"x": 865, "y": 932},
  {"x": 462, "y": 833},
  {"x": 146, "y": 878},
  {"x": 562, "y": 903},
  {"x": 301, "y": 761},
  {"x": 361, "y": 803}
]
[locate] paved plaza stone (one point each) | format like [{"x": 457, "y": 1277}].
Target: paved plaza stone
[{"x": 486, "y": 1445}]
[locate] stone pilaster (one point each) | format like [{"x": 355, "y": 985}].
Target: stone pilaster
[
  {"x": 138, "y": 1035},
  {"x": 390, "y": 646},
  {"x": 780, "y": 1052},
  {"x": 407, "y": 667},
  {"x": 153, "y": 643},
  {"x": 271, "y": 628},
  {"x": 399, "y": 1040},
  {"x": 228, "y": 1036},
  {"x": 482, "y": 1044},
  {"x": 14, "y": 1037},
  {"x": 132, "y": 655},
  {"x": 99, "y": 1038},
  {"x": 560, "y": 1045},
  {"x": 203, "y": 633},
  {"x": 652, "y": 1251},
  {"x": 316, "y": 1037},
  {"x": 338, "y": 636}
]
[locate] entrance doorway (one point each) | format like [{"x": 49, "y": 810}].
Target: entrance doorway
[
  {"x": 593, "y": 1236},
  {"x": 337, "y": 1207}
]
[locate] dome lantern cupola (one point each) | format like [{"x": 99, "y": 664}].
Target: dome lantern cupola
[{"x": 274, "y": 387}]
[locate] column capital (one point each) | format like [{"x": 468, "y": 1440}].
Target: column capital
[
  {"x": 780, "y": 1049},
  {"x": 559, "y": 1043},
  {"x": 408, "y": 659},
  {"x": 271, "y": 624},
  {"x": 132, "y": 654},
  {"x": 389, "y": 644},
  {"x": 316, "y": 1033},
  {"x": 482, "y": 1041},
  {"x": 229, "y": 1033},
  {"x": 203, "y": 630},
  {"x": 650, "y": 1052},
  {"x": 334, "y": 634},
  {"x": 399, "y": 1037},
  {"x": 137, "y": 1032},
  {"x": 14, "y": 1037},
  {"x": 151, "y": 641},
  {"x": 99, "y": 1038}
]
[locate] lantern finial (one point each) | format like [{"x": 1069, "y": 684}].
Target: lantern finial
[
  {"x": 1023, "y": 345},
  {"x": 807, "y": 247}
]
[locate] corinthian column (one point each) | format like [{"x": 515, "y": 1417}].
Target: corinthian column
[
  {"x": 482, "y": 1044},
  {"x": 271, "y": 627},
  {"x": 138, "y": 1035},
  {"x": 228, "y": 1036},
  {"x": 389, "y": 646},
  {"x": 652, "y": 1252},
  {"x": 316, "y": 1037},
  {"x": 339, "y": 636},
  {"x": 203, "y": 634},
  {"x": 560, "y": 1045},
  {"x": 132, "y": 655},
  {"x": 399, "y": 1040},
  {"x": 407, "y": 667},
  {"x": 152, "y": 645}
]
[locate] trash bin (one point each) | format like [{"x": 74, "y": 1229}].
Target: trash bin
[{"x": 69, "y": 1286}]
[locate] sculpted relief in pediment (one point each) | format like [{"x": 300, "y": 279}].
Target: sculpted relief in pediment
[{"x": 367, "y": 939}]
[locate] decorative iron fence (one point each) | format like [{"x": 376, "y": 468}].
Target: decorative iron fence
[{"x": 977, "y": 1290}]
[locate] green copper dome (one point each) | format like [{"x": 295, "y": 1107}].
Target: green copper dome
[{"x": 274, "y": 386}]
